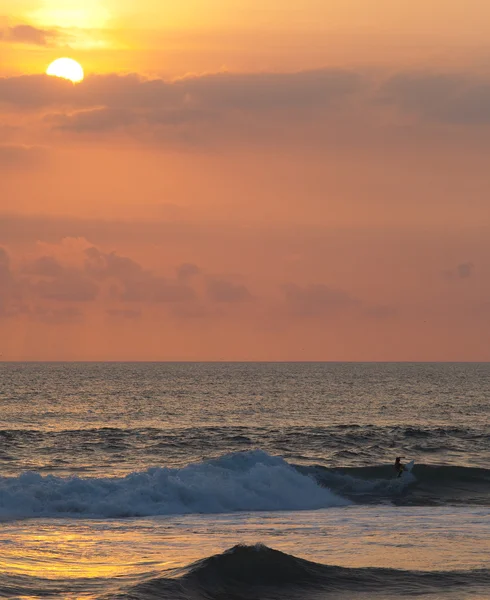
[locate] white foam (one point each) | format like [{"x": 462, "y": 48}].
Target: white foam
[{"x": 249, "y": 481}]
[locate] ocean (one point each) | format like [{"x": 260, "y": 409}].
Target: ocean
[{"x": 233, "y": 481}]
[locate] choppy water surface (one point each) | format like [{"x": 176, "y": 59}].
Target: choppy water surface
[{"x": 180, "y": 462}]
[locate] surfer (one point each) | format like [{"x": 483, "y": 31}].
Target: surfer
[{"x": 399, "y": 467}]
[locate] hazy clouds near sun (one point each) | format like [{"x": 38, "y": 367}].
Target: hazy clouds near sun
[{"x": 304, "y": 196}]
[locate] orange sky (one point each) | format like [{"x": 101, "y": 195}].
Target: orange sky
[{"x": 236, "y": 180}]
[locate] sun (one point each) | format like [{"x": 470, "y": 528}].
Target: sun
[{"x": 67, "y": 68}]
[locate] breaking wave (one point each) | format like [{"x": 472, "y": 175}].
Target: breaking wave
[{"x": 248, "y": 481}]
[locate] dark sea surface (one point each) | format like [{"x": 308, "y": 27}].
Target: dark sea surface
[{"x": 244, "y": 480}]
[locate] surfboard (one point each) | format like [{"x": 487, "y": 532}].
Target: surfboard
[{"x": 409, "y": 466}]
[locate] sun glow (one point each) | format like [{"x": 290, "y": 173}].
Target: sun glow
[
  {"x": 68, "y": 14},
  {"x": 67, "y": 68}
]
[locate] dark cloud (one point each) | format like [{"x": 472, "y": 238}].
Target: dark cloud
[
  {"x": 195, "y": 111},
  {"x": 198, "y": 110},
  {"x": 227, "y": 292},
  {"x": 102, "y": 274},
  {"x": 270, "y": 91},
  {"x": 316, "y": 300},
  {"x": 451, "y": 98},
  {"x": 27, "y": 34},
  {"x": 119, "y": 280},
  {"x": 45, "y": 266},
  {"x": 53, "y": 281},
  {"x": 11, "y": 303},
  {"x": 136, "y": 284},
  {"x": 119, "y": 100},
  {"x": 5, "y": 274},
  {"x": 464, "y": 270},
  {"x": 187, "y": 270},
  {"x": 107, "y": 265},
  {"x": 69, "y": 286},
  {"x": 98, "y": 120},
  {"x": 28, "y": 92}
]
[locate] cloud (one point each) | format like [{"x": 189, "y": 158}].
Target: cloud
[
  {"x": 11, "y": 302},
  {"x": 227, "y": 292},
  {"x": 224, "y": 91},
  {"x": 27, "y": 34},
  {"x": 18, "y": 155},
  {"x": 322, "y": 106},
  {"x": 59, "y": 279},
  {"x": 127, "y": 281},
  {"x": 5, "y": 274},
  {"x": 28, "y": 92},
  {"x": 106, "y": 265},
  {"x": 464, "y": 270},
  {"x": 108, "y": 285},
  {"x": 44, "y": 266},
  {"x": 91, "y": 275},
  {"x": 187, "y": 270},
  {"x": 196, "y": 111},
  {"x": 98, "y": 120},
  {"x": 72, "y": 274},
  {"x": 136, "y": 283},
  {"x": 68, "y": 286},
  {"x": 450, "y": 98},
  {"x": 108, "y": 102},
  {"x": 111, "y": 101},
  {"x": 316, "y": 300},
  {"x": 270, "y": 91}
]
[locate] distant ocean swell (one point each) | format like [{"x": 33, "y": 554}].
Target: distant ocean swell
[
  {"x": 251, "y": 572},
  {"x": 246, "y": 481},
  {"x": 339, "y": 445}
]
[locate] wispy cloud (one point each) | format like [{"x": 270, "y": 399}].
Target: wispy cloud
[{"x": 27, "y": 34}]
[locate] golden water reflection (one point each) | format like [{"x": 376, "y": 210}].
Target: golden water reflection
[{"x": 123, "y": 552}]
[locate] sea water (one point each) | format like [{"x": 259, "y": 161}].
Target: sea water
[{"x": 244, "y": 481}]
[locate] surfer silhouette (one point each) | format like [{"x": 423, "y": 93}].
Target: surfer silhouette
[{"x": 399, "y": 467}]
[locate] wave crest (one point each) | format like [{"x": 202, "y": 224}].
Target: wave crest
[
  {"x": 260, "y": 572},
  {"x": 425, "y": 485}
]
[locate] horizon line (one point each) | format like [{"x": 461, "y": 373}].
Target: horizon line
[{"x": 401, "y": 362}]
